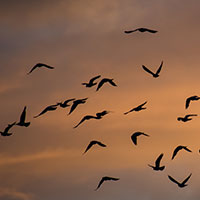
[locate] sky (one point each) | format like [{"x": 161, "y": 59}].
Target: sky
[{"x": 82, "y": 39}]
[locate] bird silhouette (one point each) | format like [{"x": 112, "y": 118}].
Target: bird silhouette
[
  {"x": 157, "y": 166},
  {"x": 5, "y": 132},
  {"x": 48, "y": 108},
  {"x": 178, "y": 148},
  {"x": 105, "y": 80},
  {"x": 76, "y": 103},
  {"x": 91, "y": 82},
  {"x": 93, "y": 142},
  {"x": 65, "y": 103},
  {"x": 106, "y": 178},
  {"x": 141, "y": 30},
  {"x": 155, "y": 75},
  {"x": 23, "y": 118},
  {"x": 186, "y": 118},
  {"x": 39, "y": 65},
  {"x": 88, "y": 117},
  {"x": 138, "y": 108},
  {"x": 135, "y": 135},
  {"x": 189, "y": 99},
  {"x": 182, "y": 184}
]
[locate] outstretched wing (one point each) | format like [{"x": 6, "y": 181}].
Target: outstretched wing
[
  {"x": 142, "y": 104},
  {"x": 100, "y": 183},
  {"x": 187, "y": 149},
  {"x": 74, "y": 105},
  {"x": 112, "y": 82},
  {"x": 134, "y": 138},
  {"x": 176, "y": 151},
  {"x": 173, "y": 180},
  {"x": 191, "y": 115},
  {"x": 159, "y": 69},
  {"x": 157, "y": 163},
  {"x": 49, "y": 108},
  {"x": 131, "y": 31},
  {"x": 89, "y": 146},
  {"x": 187, "y": 103},
  {"x": 93, "y": 79},
  {"x": 185, "y": 181},
  {"x": 47, "y": 66},
  {"x": 101, "y": 84},
  {"x": 23, "y": 115},
  {"x": 9, "y": 127},
  {"x": 87, "y": 117},
  {"x": 148, "y": 70},
  {"x": 151, "y": 31},
  {"x": 33, "y": 69}
]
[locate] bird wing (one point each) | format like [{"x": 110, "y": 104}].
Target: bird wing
[
  {"x": 89, "y": 146},
  {"x": 173, "y": 180},
  {"x": 151, "y": 31},
  {"x": 187, "y": 149},
  {"x": 49, "y": 108},
  {"x": 112, "y": 82},
  {"x": 100, "y": 144},
  {"x": 68, "y": 100},
  {"x": 131, "y": 31},
  {"x": 190, "y": 115},
  {"x": 23, "y": 115},
  {"x": 147, "y": 70},
  {"x": 185, "y": 181},
  {"x": 134, "y": 138},
  {"x": 142, "y": 104},
  {"x": 176, "y": 151},
  {"x": 9, "y": 127},
  {"x": 159, "y": 69},
  {"x": 187, "y": 103},
  {"x": 87, "y": 117},
  {"x": 101, "y": 83},
  {"x": 101, "y": 114},
  {"x": 47, "y": 66},
  {"x": 100, "y": 183},
  {"x": 157, "y": 163},
  {"x": 33, "y": 68},
  {"x": 74, "y": 105},
  {"x": 93, "y": 79}
]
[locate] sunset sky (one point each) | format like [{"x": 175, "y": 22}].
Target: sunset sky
[{"x": 83, "y": 39}]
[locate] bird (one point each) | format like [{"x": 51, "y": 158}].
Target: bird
[
  {"x": 65, "y": 103},
  {"x": 93, "y": 142},
  {"x": 76, "y": 103},
  {"x": 88, "y": 117},
  {"x": 141, "y": 30},
  {"x": 39, "y": 65},
  {"x": 91, "y": 82},
  {"x": 178, "y": 148},
  {"x": 22, "y": 119},
  {"x": 157, "y": 166},
  {"x": 48, "y": 108},
  {"x": 106, "y": 178},
  {"x": 5, "y": 132},
  {"x": 135, "y": 135},
  {"x": 186, "y": 118},
  {"x": 189, "y": 99},
  {"x": 138, "y": 108},
  {"x": 106, "y": 80},
  {"x": 182, "y": 184},
  {"x": 155, "y": 75}
]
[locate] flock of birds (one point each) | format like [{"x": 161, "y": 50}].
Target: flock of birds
[{"x": 134, "y": 137}]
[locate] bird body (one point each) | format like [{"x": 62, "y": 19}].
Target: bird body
[
  {"x": 76, "y": 103},
  {"x": 135, "y": 135},
  {"x": 5, "y": 132},
  {"x": 157, "y": 166},
  {"x": 155, "y": 75},
  {"x": 141, "y": 30},
  {"x": 189, "y": 99},
  {"x": 138, "y": 108},
  {"x": 105, "y": 80},
  {"x": 65, "y": 103},
  {"x": 186, "y": 118},
  {"x": 93, "y": 142},
  {"x": 182, "y": 184},
  {"x": 91, "y": 82},
  {"x": 39, "y": 65},
  {"x": 106, "y": 178},
  {"x": 178, "y": 148},
  {"x": 22, "y": 119}
]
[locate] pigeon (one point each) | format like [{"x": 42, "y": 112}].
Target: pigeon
[
  {"x": 182, "y": 184},
  {"x": 192, "y": 98},
  {"x": 186, "y": 118},
  {"x": 76, "y": 103},
  {"x": 91, "y": 82},
  {"x": 155, "y": 75},
  {"x": 106, "y": 178},
  {"x": 141, "y": 30},
  {"x": 5, "y": 132},
  {"x": 157, "y": 166},
  {"x": 138, "y": 108},
  {"x": 135, "y": 135},
  {"x": 93, "y": 142},
  {"x": 22, "y": 119},
  {"x": 65, "y": 103},
  {"x": 178, "y": 148},
  {"x": 39, "y": 65},
  {"x": 48, "y": 108},
  {"x": 105, "y": 80}
]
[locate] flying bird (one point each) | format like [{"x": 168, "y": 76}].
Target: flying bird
[
  {"x": 106, "y": 178},
  {"x": 5, "y": 132},
  {"x": 65, "y": 103},
  {"x": 105, "y": 80},
  {"x": 178, "y": 148},
  {"x": 141, "y": 30},
  {"x": 186, "y": 118},
  {"x": 189, "y": 99},
  {"x": 48, "y": 108},
  {"x": 91, "y": 82},
  {"x": 135, "y": 135},
  {"x": 182, "y": 184},
  {"x": 22, "y": 119},
  {"x": 157, "y": 166},
  {"x": 93, "y": 142},
  {"x": 76, "y": 103},
  {"x": 39, "y": 65},
  {"x": 88, "y": 117},
  {"x": 155, "y": 75},
  {"x": 138, "y": 108}
]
